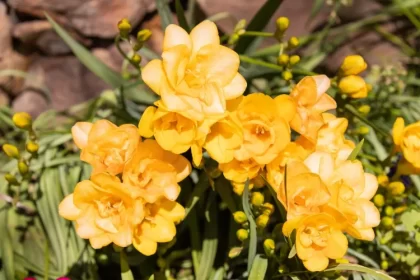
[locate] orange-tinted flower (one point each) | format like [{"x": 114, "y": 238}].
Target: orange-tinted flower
[
  {"x": 240, "y": 171},
  {"x": 154, "y": 173},
  {"x": 104, "y": 211},
  {"x": 407, "y": 140},
  {"x": 104, "y": 145}
]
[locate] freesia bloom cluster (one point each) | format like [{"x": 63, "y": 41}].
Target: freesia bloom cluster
[
  {"x": 130, "y": 197},
  {"x": 407, "y": 141}
]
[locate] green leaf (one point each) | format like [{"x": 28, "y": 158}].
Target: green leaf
[
  {"x": 379, "y": 275},
  {"x": 258, "y": 23},
  {"x": 356, "y": 150},
  {"x": 164, "y": 13},
  {"x": 126, "y": 273},
  {"x": 410, "y": 219},
  {"x": 363, "y": 257},
  {"x": 316, "y": 8},
  {"x": 210, "y": 243},
  {"x": 6, "y": 249},
  {"x": 292, "y": 252},
  {"x": 219, "y": 274},
  {"x": 200, "y": 188},
  {"x": 252, "y": 251},
  {"x": 180, "y": 13},
  {"x": 259, "y": 268},
  {"x": 224, "y": 189}
]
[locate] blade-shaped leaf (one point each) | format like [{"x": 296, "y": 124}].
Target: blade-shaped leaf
[
  {"x": 126, "y": 273},
  {"x": 164, "y": 13},
  {"x": 356, "y": 150},
  {"x": 181, "y": 16},
  {"x": 378, "y": 275},
  {"x": 252, "y": 251},
  {"x": 292, "y": 252},
  {"x": 259, "y": 268},
  {"x": 258, "y": 23}
]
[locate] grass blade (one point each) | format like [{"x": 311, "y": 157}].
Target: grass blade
[
  {"x": 126, "y": 273},
  {"x": 200, "y": 188},
  {"x": 259, "y": 268},
  {"x": 164, "y": 13},
  {"x": 180, "y": 13},
  {"x": 252, "y": 251},
  {"x": 258, "y": 23},
  {"x": 379, "y": 275},
  {"x": 356, "y": 150}
]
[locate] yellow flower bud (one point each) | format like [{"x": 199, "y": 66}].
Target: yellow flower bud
[
  {"x": 397, "y": 256},
  {"x": 269, "y": 247},
  {"x": 400, "y": 209},
  {"x": 22, "y": 120},
  {"x": 353, "y": 86},
  {"x": 282, "y": 24},
  {"x": 239, "y": 217},
  {"x": 293, "y": 43},
  {"x": 23, "y": 167},
  {"x": 364, "y": 109},
  {"x": 268, "y": 208},
  {"x": 383, "y": 180},
  {"x": 352, "y": 65},
  {"x": 294, "y": 59},
  {"x": 283, "y": 59},
  {"x": 283, "y": 269},
  {"x": 242, "y": 234},
  {"x": 384, "y": 265},
  {"x": 396, "y": 188},
  {"x": 262, "y": 221},
  {"x": 11, "y": 179},
  {"x": 287, "y": 75},
  {"x": 389, "y": 211},
  {"x": 363, "y": 130},
  {"x": 143, "y": 35},
  {"x": 379, "y": 200},
  {"x": 387, "y": 222},
  {"x": 233, "y": 39},
  {"x": 11, "y": 150},
  {"x": 32, "y": 147},
  {"x": 234, "y": 252},
  {"x": 257, "y": 199},
  {"x": 124, "y": 27},
  {"x": 136, "y": 59},
  {"x": 342, "y": 260}
]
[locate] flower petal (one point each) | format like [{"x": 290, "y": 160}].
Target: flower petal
[
  {"x": 371, "y": 186},
  {"x": 80, "y": 132},
  {"x": 171, "y": 210},
  {"x": 146, "y": 122},
  {"x": 322, "y": 84},
  {"x": 159, "y": 229},
  {"x": 153, "y": 75},
  {"x": 100, "y": 241},
  {"x": 106, "y": 225},
  {"x": 204, "y": 34},
  {"x": 398, "y": 131},
  {"x": 67, "y": 209},
  {"x": 175, "y": 35},
  {"x": 235, "y": 88},
  {"x": 145, "y": 245}
]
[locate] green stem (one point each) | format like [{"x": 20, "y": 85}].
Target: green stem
[
  {"x": 258, "y": 34},
  {"x": 349, "y": 108},
  {"x": 272, "y": 66},
  {"x": 47, "y": 260},
  {"x": 117, "y": 44}
]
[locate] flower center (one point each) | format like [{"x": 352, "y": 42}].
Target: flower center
[
  {"x": 109, "y": 206},
  {"x": 315, "y": 236}
]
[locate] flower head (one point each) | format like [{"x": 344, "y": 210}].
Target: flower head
[
  {"x": 196, "y": 74},
  {"x": 352, "y": 65},
  {"x": 353, "y": 86},
  {"x": 104, "y": 145},
  {"x": 407, "y": 140}
]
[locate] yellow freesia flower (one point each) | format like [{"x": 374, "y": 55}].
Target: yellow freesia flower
[
  {"x": 196, "y": 74},
  {"x": 353, "y": 86},
  {"x": 158, "y": 225},
  {"x": 239, "y": 171},
  {"x": 352, "y": 65},
  {"x": 407, "y": 140},
  {"x": 154, "y": 173},
  {"x": 104, "y": 145},
  {"x": 265, "y": 132},
  {"x": 318, "y": 239},
  {"x": 351, "y": 190},
  {"x": 311, "y": 101},
  {"x": 104, "y": 211}
]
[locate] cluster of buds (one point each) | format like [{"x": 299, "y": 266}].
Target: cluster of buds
[
  {"x": 350, "y": 83},
  {"x": 237, "y": 32}
]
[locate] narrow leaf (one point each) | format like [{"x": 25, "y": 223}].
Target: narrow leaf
[
  {"x": 356, "y": 150},
  {"x": 210, "y": 243},
  {"x": 252, "y": 251},
  {"x": 259, "y": 268},
  {"x": 292, "y": 252},
  {"x": 316, "y": 8},
  {"x": 379, "y": 275},
  {"x": 200, "y": 187},
  {"x": 126, "y": 273},
  {"x": 180, "y": 13},
  {"x": 258, "y": 23},
  {"x": 164, "y": 13}
]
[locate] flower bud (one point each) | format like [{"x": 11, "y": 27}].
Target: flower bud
[
  {"x": 397, "y": 256},
  {"x": 257, "y": 199},
  {"x": 239, "y": 217},
  {"x": 268, "y": 208},
  {"x": 283, "y": 59},
  {"x": 287, "y": 75},
  {"x": 136, "y": 59},
  {"x": 282, "y": 23},
  {"x": 238, "y": 188},
  {"x": 11, "y": 150},
  {"x": 353, "y": 86},
  {"x": 102, "y": 259},
  {"x": 396, "y": 188},
  {"x": 124, "y": 27},
  {"x": 32, "y": 147},
  {"x": 137, "y": 46},
  {"x": 23, "y": 167},
  {"x": 233, "y": 39},
  {"x": 143, "y": 35},
  {"x": 384, "y": 265},
  {"x": 387, "y": 222},
  {"x": 234, "y": 252},
  {"x": 11, "y": 179},
  {"x": 242, "y": 234},
  {"x": 283, "y": 269},
  {"x": 22, "y": 120},
  {"x": 389, "y": 211},
  {"x": 342, "y": 260},
  {"x": 383, "y": 180},
  {"x": 364, "y": 109},
  {"x": 379, "y": 200},
  {"x": 294, "y": 59},
  {"x": 262, "y": 221},
  {"x": 400, "y": 209},
  {"x": 363, "y": 130},
  {"x": 269, "y": 247},
  {"x": 293, "y": 43},
  {"x": 352, "y": 65}
]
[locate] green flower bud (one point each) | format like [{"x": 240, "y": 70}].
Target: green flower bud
[
  {"x": 379, "y": 200},
  {"x": 11, "y": 150},
  {"x": 364, "y": 109},
  {"x": 294, "y": 59},
  {"x": 136, "y": 59},
  {"x": 242, "y": 234},
  {"x": 387, "y": 222},
  {"x": 293, "y": 43},
  {"x": 287, "y": 75},
  {"x": 262, "y": 221},
  {"x": 102, "y": 259},
  {"x": 137, "y": 46},
  {"x": 363, "y": 130},
  {"x": 269, "y": 247},
  {"x": 283, "y": 269},
  {"x": 239, "y": 217},
  {"x": 257, "y": 199},
  {"x": 384, "y": 265},
  {"x": 283, "y": 59},
  {"x": 22, "y": 120},
  {"x": 32, "y": 147},
  {"x": 11, "y": 179},
  {"x": 23, "y": 167},
  {"x": 389, "y": 211}
]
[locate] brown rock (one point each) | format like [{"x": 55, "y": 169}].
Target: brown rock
[
  {"x": 28, "y": 31},
  {"x": 30, "y": 101},
  {"x": 4, "y": 98},
  {"x": 97, "y": 18}
]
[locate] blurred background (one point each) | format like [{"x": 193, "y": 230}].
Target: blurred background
[{"x": 38, "y": 70}]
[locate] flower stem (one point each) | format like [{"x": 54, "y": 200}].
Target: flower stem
[{"x": 257, "y": 34}]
